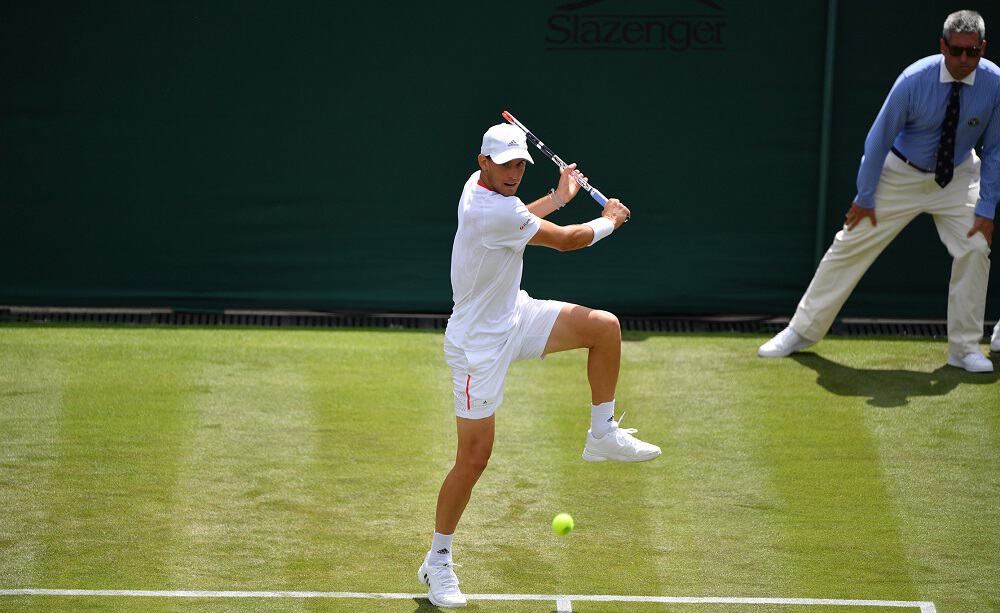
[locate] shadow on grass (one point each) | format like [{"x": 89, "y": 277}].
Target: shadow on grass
[
  {"x": 424, "y": 605},
  {"x": 889, "y": 388}
]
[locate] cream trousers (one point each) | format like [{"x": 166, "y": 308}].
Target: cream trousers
[{"x": 903, "y": 193}]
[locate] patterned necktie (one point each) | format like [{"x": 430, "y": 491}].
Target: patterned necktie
[{"x": 946, "y": 149}]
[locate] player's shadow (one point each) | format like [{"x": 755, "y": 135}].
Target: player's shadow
[
  {"x": 424, "y": 605},
  {"x": 889, "y": 388}
]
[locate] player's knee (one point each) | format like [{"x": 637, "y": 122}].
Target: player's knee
[
  {"x": 609, "y": 325},
  {"x": 476, "y": 465},
  {"x": 474, "y": 462}
]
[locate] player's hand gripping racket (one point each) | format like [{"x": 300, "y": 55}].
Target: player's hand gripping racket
[{"x": 593, "y": 191}]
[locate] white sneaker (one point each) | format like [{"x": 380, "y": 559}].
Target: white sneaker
[
  {"x": 784, "y": 344},
  {"x": 995, "y": 341},
  {"x": 443, "y": 584},
  {"x": 618, "y": 444},
  {"x": 972, "y": 362}
]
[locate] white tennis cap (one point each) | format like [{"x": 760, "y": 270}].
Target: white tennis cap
[{"x": 504, "y": 142}]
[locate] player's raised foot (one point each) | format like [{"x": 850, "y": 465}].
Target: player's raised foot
[
  {"x": 618, "y": 445},
  {"x": 995, "y": 340},
  {"x": 784, "y": 344},
  {"x": 972, "y": 362},
  {"x": 442, "y": 582}
]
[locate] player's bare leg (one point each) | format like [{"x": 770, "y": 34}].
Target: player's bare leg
[
  {"x": 600, "y": 333},
  {"x": 475, "y": 445},
  {"x": 578, "y": 327}
]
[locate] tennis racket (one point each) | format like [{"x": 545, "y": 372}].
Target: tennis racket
[{"x": 587, "y": 187}]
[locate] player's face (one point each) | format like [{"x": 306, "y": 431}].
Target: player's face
[
  {"x": 962, "y": 65},
  {"x": 502, "y": 178}
]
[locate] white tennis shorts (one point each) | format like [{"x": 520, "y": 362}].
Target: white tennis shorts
[{"x": 479, "y": 376}]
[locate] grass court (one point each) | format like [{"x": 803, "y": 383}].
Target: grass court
[{"x": 275, "y": 460}]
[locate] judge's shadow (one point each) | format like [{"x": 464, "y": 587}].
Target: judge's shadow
[{"x": 888, "y": 388}]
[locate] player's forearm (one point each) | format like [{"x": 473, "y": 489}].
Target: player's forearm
[
  {"x": 563, "y": 238},
  {"x": 544, "y": 205},
  {"x": 577, "y": 236},
  {"x": 585, "y": 235}
]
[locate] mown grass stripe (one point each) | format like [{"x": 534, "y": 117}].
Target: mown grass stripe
[
  {"x": 32, "y": 377},
  {"x": 243, "y": 506},
  {"x": 121, "y": 420},
  {"x": 383, "y": 403},
  {"x": 713, "y": 501},
  {"x": 833, "y": 504},
  {"x": 948, "y": 424},
  {"x": 538, "y": 471}
]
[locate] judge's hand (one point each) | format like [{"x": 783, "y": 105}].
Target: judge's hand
[
  {"x": 985, "y": 226},
  {"x": 856, "y": 213}
]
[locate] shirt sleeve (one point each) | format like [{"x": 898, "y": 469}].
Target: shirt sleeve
[
  {"x": 510, "y": 225},
  {"x": 989, "y": 172},
  {"x": 889, "y": 123}
]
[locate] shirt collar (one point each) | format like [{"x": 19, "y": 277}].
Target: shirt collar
[
  {"x": 479, "y": 182},
  {"x": 946, "y": 77}
]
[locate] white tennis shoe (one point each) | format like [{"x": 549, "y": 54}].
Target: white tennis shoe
[
  {"x": 442, "y": 583},
  {"x": 784, "y": 344},
  {"x": 618, "y": 445},
  {"x": 995, "y": 341},
  {"x": 972, "y": 362}
]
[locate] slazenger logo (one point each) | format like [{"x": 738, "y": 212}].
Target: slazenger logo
[{"x": 697, "y": 25}]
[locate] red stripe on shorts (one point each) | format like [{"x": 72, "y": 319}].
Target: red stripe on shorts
[{"x": 468, "y": 399}]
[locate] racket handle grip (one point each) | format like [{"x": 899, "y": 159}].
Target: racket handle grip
[{"x": 598, "y": 196}]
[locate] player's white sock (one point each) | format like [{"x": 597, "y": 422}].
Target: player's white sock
[
  {"x": 601, "y": 416},
  {"x": 440, "y": 548}
]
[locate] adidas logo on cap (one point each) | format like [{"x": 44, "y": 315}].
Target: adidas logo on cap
[{"x": 504, "y": 142}]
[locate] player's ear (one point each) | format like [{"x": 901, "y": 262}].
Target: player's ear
[{"x": 482, "y": 161}]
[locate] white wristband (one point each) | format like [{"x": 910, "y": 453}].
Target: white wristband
[{"x": 602, "y": 226}]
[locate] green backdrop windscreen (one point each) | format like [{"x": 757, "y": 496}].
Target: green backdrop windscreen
[{"x": 310, "y": 155}]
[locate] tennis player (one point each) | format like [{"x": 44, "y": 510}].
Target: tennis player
[{"x": 494, "y": 323}]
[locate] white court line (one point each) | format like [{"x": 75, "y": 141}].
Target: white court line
[{"x": 563, "y": 602}]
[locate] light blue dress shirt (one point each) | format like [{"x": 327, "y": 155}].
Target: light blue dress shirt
[{"x": 910, "y": 121}]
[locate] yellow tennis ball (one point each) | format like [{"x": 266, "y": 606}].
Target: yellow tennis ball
[{"x": 562, "y": 524}]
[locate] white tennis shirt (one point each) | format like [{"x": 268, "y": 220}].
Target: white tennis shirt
[{"x": 486, "y": 262}]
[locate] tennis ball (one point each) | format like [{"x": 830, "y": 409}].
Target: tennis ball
[{"x": 562, "y": 524}]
